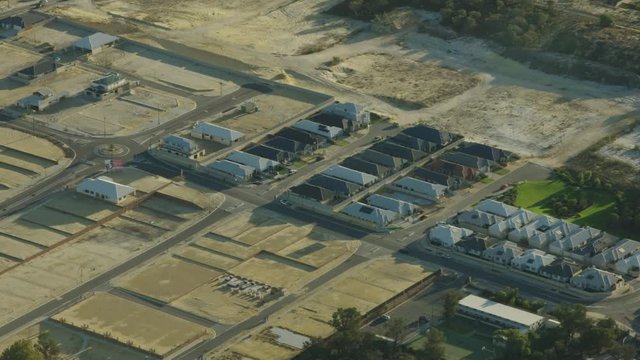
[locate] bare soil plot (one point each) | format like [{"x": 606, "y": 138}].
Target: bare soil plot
[
  {"x": 315, "y": 253},
  {"x": 127, "y": 321},
  {"x": 256, "y": 348},
  {"x": 155, "y": 66},
  {"x": 13, "y": 179},
  {"x": 70, "y": 224},
  {"x": 626, "y": 148},
  {"x": 221, "y": 245},
  {"x": 198, "y": 197},
  {"x": 14, "y": 59},
  {"x": 32, "y": 232},
  {"x": 289, "y": 235},
  {"x": 54, "y": 33},
  {"x": 138, "y": 179},
  {"x": 151, "y": 217},
  {"x": 207, "y": 258},
  {"x": 404, "y": 82},
  {"x": 270, "y": 228},
  {"x": 168, "y": 279},
  {"x": 44, "y": 152},
  {"x": 17, "y": 249},
  {"x": 135, "y": 228},
  {"x": 241, "y": 222},
  {"x": 274, "y": 110},
  {"x": 167, "y": 205},
  {"x": 274, "y": 271},
  {"x": 6, "y": 263},
  {"x": 82, "y": 206},
  {"x": 311, "y": 323},
  {"x": 27, "y": 167},
  {"x": 218, "y": 304}
]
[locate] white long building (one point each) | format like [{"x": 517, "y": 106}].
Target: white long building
[
  {"x": 498, "y": 314},
  {"x": 105, "y": 188}
]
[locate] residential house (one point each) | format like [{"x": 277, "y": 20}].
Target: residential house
[
  {"x": 503, "y": 252},
  {"x": 370, "y": 214},
  {"x": 593, "y": 247},
  {"x": 360, "y": 117},
  {"x": 334, "y": 120},
  {"x": 94, "y": 43},
  {"x": 487, "y": 152},
  {"x": 552, "y": 233},
  {"x": 111, "y": 83},
  {"x": 413, "y": 143},
  {"x": 392, "y": 162},
  {"x": 313, "y": 192},
  {"x": 474, "y": 245},
  {"x": 514, "y": 221},
  {"x": 398, "y": 206},
  {"x": 106, "y": 189},
  {"x": 452, "y": 169},
  {"x": 43, "y": 68},
  {"x": 532, "y": 260},
  {"x": 238, "y": 172},
  {"x": 537, "y": 226},
  {"x": 440, "y": 138},
  {"x": 350, "y": 175},
  {"x": 436, "y": 178},
  {"x": 478, "y": 164},
  {"x": 41, "y": 99},
  {"x": 573, "y": 241},
  {"x": 594, "y": 279},
  {"x": 447, "y": 235},
  {"x": 621, "y": 250},
  {"x": 477, "y": 220},
  {"x": 560, "y": 270},
  {"x": 630, "y": 265},
  {"x": 215, "y": 133},
  {"x": 178, "y": 145},
  {"x": 290, "y": 146},
  {"x": 367, "y": 167},
  {"x": 22, "y": 22},
  {"x": 408, "y": 154},
  {"x": 259, "y": 163},
  {"x": 497, "y": 208},
  {"x": 271, "y": 153},
  {"x": 329, "y": 132},
  {"x": 301, "y": 136},
  {"x": 423, "y": 189},
  {"x": 343, "y": 189}
]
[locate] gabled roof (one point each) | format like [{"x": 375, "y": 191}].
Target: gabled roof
[
  {"x": 349, "y": 111},
  {"x": 429, "y": 134},
  {"x": 448, "y": 234},
  {"x": 381, "y": 158},
  {"x": 475, "y": 243},
  {"x": 534, "y": 258},
  {"x": 337, "y": 185},
  {"x": 622, "y": 249},
  {"x": 256, "y": 162},
  {"x": 180, "y": 143},
  {"x": 313, "y": 192},
  {"x": 232, "y": 168},
  {"x": 560, "y": 268},
  {"x": 330, "y": 132},
  {"x": 331, "y": 120},
  {"x": 433, "y": 177},
  {"x": 218, "y": 131},
  {"x": 384, "y": 202},
  {"x": 497, "y": 208},
  {"x": 486, "y": 152},
  {"x": 25, "y": 20},
  {"x": 95, "y": 41},
  {"x": 351, "y": 175},
  {"x": 105, "y": 185},
  {"x": 286, "y": 144},
  {"x": 368, "y": 213},
  {"x": 267, "y": 152},
  {"x": 365, "y": 166},
  {"x": 108, "y": 79},
  {"x": 420, "y": 186},
  {"x": 505, "y": 249},
  {"x": 399, "y": 151},
  {"x": 301, "y": 136},
  {"x": 596, "y": 279},
  {"x": 478, "y": 218},
  {"x": 43, "y": 66},
  {"x": 523, "y": 318},
  {"x": 409, "y": 141},
  {"x": 466, "y": 160}
]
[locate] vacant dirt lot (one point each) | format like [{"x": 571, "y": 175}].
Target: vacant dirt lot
[
  {"x": 625, "y": 148},
  {"x": 129, "y": 322},
  {"x": 15, "y": 58},
  {"x": 405, "y": 83}
]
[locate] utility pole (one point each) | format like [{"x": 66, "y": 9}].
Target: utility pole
[
  {"x": 104, "y": 124},
  {"x": 220, "y": 88}
]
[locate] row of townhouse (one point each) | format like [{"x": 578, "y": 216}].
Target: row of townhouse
[
  {"x": 534, "y": 261},
  {"x": 586, "y": 245}
]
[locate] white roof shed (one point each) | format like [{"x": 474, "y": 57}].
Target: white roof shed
[
  {"x": 351, "y": 175},
  {"x": 329, "y": 132},
  {"x": 95, "y": 41},
  {"x": 257, "y": 162}
]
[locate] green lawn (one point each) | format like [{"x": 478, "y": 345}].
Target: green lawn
[
  {"x": 465, "y": 339},
  {"x": 536, "y": 196},
  {"x": 486, "y": 180},
  {"x": 299, "y": 164},
  {"x": 502, "y": 171},
  {"x": 342, "y": 142}
]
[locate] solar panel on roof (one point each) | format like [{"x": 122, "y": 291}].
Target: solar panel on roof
[{"x": 366, "y": 210}]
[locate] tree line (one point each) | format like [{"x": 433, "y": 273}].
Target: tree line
[{"x": 44, "y": 349}]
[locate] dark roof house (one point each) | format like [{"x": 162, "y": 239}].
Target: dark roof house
[
  {"x": 24, "y": 21},
  {"x": 302, "y": 136},
  {"x": 288, "y": 145},
  {"x": 560, "y": 270},
  {"x": 474, "y": 245},
  {"x": 314, "y": 192},
  {"x": 333, "y": 120},
  {"x": 42, "y": 67},
  {"x": 429, "y": 134},
  {"x": 413, "y": 142},
  {"x": 270, "y": 153},
  {"x": 436, "y": 178},
  {"x": 470, "y": 161},
  {"x": 487, "y": 152},
  {"x": 400, "y": 151},
  {"x": 342, "y": 188},
  {"x": 366, "y": 166},
  {"x": 377, "y": 157}
]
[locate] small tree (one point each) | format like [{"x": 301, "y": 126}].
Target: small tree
[
  {"x": 606, "y": 20},
  {"x": 450, "y": 303},
  {"x": 346, "y": 319},
  {"x": 433, "y": 348},
  {"x": 396, "y": 329},
  {"x": 48, "y": 347},
  {"x": 516, "y": 345},
  {"x": 21, "y": 350}
]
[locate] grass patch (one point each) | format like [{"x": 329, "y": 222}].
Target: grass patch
[
  {"x": 299, "y": 164},
  {"x": 502, "y": 171},
  {"x": 283, "y": 171},
  {"x": 342, "y": 142},
  {"x": 486, "y": 180},
  {"x": 464, "y": 339},
  {"x": 537, "y": 197}
]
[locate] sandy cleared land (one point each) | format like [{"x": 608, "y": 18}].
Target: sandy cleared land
[
  {"x": 193, "y": 194},
  {"x": 135, "y": 228},
  {"x": 15, "y": 58},
  {"x": 29, "y": 144},
  {"x": 17, "y": 249},
  {"x": 6, "y": 263},
  {"x": 170, "y": 206},
  {"x": 127, "y": 321},
  {"x": 154, "y": 218},
  {"x": 406, "y": 83},
  {"x": 271, "y": 228},
  {"x": 81, "y": 205},
  {"x": 626, "y": 148},
  {"x": 138, "y": 179},
  {"x": 259, "y": 348},
  {"x": 242, "y": 222},
  {"x": 143, "y": 108},
  {"x": 222, "y": 245},
  {"x": 57, "y": 220},
  {"x": 31, "y": 232},
  {"x": 273, "y": 272},
  {"x": 167, "y": 279},
  {"x": 274, "y": 110},
  {"x": 54, "y": 33},
  {"x": 207, "y": 258}
]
